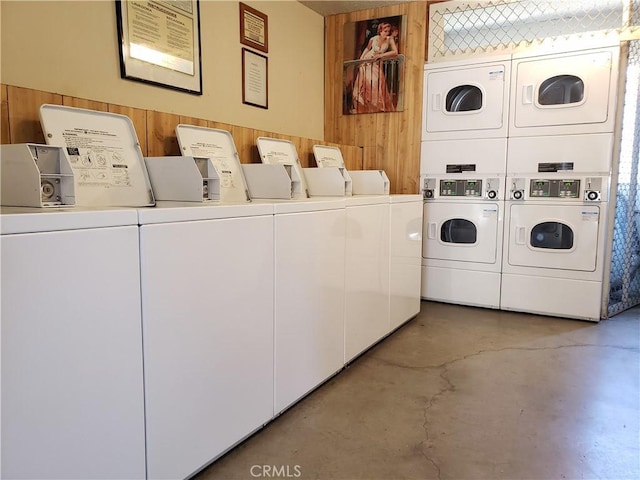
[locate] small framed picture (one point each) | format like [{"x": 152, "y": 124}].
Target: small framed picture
[
  {"x": 254, "y": 31},
  {"x": 255, "y": 79}
]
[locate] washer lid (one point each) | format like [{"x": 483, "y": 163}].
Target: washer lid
[
  {"x": 328, "y": 156},
  {"x": 36, "y": 220},
  {"x": 218, "y": 146},
  {"x": 104, "y": 153},
  {"x": 275, "y": 151}
]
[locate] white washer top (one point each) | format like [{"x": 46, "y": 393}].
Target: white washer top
[
  {"x": 315, "y": 204},
  {"x": 170, "y": 212},
  {"x": 358, "y": 200},
  {"x": 405, "y": 198},
  {"x": 29, "y": 220}
]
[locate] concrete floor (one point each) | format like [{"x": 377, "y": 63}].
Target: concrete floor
[{"x": 466, "y": 393}]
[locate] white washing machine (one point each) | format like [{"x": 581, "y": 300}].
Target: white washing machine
[
  {"x": 564, "y": 93},
  {"x": 72, "y": 367},
  {"x": 462, "y": 239},
  {"x": 310, "y": 241},
  {"x": 405, "y": 251},
  {"x": 466, "y": 99},
  {"x": 366, "y": 272},
  {"x": 208, "y": 322},
  {"x": 554, "y": 244}
]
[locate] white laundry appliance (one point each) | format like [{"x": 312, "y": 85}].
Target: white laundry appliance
[
  {"x": 463, "y": 189},
  {"x": 72, "y": 365},
  {"x": 209, "y": 375},
  {"x": 556, "y": 223},
  {"x": 564, "y": 93},
  {"x": 462, "y": 239},
  {"x": 554, "y": 244},
  {"x": 367, "y": 276},
  {"x": 310, "y": 246},
  {"x": 405, "y": 252},
  {"x": 207, "y": 280},
  {"x": 466, "y": 99}
]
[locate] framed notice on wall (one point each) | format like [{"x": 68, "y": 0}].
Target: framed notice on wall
[
  {"x": 254, "y": 31},
  {"x": 160, "y": 43},
  {"x": 255, "y": 81}
]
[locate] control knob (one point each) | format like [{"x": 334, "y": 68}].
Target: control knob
[
  {"x": 518, "y": 194},
  {"x": 492, "y": 194},
  {"x": 593, "y": 195},
  {"x": 428, "y": 193}
]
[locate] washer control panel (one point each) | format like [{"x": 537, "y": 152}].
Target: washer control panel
[
  {"x": 552, "y": 188},
  {"x": 460, "y": 188}
]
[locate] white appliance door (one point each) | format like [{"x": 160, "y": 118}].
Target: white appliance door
[
  {"x": 465, "y": 232},
  {"x": 465, "y": 99},
  {"x": 563, "y": 90},
  {"x": 563, "y": 237}
]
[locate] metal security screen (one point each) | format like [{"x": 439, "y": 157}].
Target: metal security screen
[
  {"x": 460, "y": 28},
  {"x": 624, "y": 288}
]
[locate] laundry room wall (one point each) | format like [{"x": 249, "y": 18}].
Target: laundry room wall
[{"x": 71, "y": 49}]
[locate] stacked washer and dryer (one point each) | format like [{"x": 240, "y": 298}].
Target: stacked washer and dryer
[
  {"x": 463, "y": 163},
  {"x": 559, "y": 112}
]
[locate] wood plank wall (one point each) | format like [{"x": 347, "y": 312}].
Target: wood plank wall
[
  {"x": 155, "y": 130},
  {"x": 390, "y": 141}
]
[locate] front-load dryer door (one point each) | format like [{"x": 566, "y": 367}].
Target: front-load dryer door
[
  {"x": 465, "y": 99},
  {"x": 562, "y": 237},
  {"x": 466, "y": 232},
  {"x": 564, "y": 90}
]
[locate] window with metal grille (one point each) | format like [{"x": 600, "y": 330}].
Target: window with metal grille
[
  {"x": 624, "y": 280},
  {"x": 471, "y": 28}
]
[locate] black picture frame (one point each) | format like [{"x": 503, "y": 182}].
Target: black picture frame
[
  {"x": 255, "y": 79},
  {"x": 167, "y": 66}
]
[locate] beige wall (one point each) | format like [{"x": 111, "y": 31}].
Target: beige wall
[{"x": 70, "y": 48}]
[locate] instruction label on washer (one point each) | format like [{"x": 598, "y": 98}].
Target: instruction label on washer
[
  {"x": 97, "y": 158},
  {"x": 327, "y": 161},
  {"x": 588, "y": 216},
  {"x": 279, "y": 158}
]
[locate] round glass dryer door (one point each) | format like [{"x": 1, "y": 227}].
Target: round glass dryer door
[
  {"x": 458, "y": 230},
  {"x": 464, "y": 98},
  {"x": 552, "y": 235},
  {"x": 561, "y": 90}
]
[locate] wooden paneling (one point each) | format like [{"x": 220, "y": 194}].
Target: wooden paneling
[
  {"x": 391, "y": 141},
  {"x": 161, "y": 134},
  {"x": 4, "y": 116},
  {"x": 24, "y": 113},
  {"x": 156, "y": 130},
  {"x": 86, "y": 104},
  {"x": 138, "y": 118},
  {"x": 198, "y": 122}
]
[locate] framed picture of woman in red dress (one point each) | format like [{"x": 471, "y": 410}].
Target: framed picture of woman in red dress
[{"x": 373, "y": 67}]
